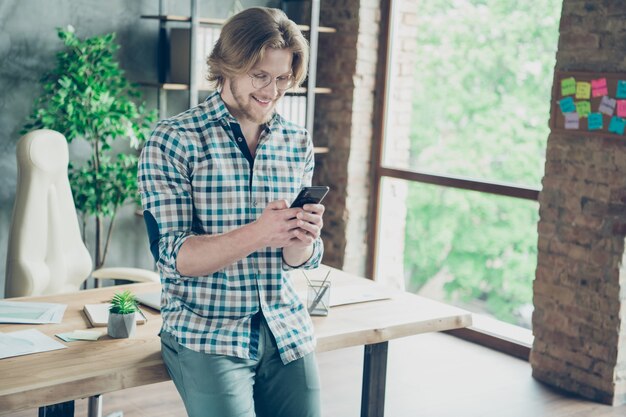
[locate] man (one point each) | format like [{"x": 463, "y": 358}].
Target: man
[{"x": 214, "y": 183}]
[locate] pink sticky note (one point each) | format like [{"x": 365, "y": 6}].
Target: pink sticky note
[
  {"x": 621, "y": 108},
  {"x": 598, "y": 88}
]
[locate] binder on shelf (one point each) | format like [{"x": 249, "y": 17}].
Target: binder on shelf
[
  {"x": 174, "y": 65},
  {"x": 180, "y": 39},
  {"x": 293, "y": 108}
]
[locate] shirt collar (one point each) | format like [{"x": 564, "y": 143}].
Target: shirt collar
[{"x": 218, "y": 111}]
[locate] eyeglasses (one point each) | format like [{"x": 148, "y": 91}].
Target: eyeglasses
[{"x": 263, "y": 79}]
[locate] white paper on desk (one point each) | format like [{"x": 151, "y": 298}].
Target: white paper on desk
[
  {"x": 25, "y": 342},
  {"x": 353, "y": 294},
  {"x": 31, "y": 313}
]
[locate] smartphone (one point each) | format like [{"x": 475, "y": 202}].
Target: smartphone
[{"x": 310, "y": 195}]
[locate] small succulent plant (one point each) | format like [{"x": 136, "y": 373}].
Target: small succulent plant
[{"x": 123, "y": 303}]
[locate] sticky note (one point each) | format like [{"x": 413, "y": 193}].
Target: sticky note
[
  {"x": 621, "y": 108},
  {"x": 617, "y": 125},
  {"x": 64, "y": 337},
  {"x": 598, "y": 88},
  {"x": 583, "y": 90},
  {"x": 86, "y": 334},
  {"x": 621, "y": 89},
  {"x": 583, "y": 108},
  {"x": 572, "y": 121},
  {"x": 568, "y": 86},
  {"x": 607, "y": 105},
  {"x": 594, "y": 122},
  {"x": 567, "y": 105},
  {"x": 80, "y": 335}
]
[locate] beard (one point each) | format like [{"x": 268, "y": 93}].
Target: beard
[{"x": 247, "y": 109}]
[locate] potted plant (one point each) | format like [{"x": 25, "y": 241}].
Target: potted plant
[
  {"x": 122, "y": 322},
  {"x": 87, "y": 98}
]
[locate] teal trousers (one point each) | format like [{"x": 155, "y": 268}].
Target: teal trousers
[{"x": 224, "y": 386}]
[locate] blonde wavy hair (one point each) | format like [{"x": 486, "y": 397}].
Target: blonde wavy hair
[{"x": 244, "y": 39}]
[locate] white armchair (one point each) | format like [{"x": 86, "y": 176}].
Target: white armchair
[{"x": 46, "y": 253}]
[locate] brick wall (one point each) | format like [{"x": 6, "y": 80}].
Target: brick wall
[
  {"x": 579, "y": 289},
  {"x": 344, "y": 120},
  {"x": 348, "y": 62}
]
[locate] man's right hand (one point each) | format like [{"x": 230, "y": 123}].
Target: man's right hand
[
  {"x": 277, "y": 224},
  {"x": 203, "y": 255}
]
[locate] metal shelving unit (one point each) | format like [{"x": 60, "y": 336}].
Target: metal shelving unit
[{"x": 194, "y": 21}]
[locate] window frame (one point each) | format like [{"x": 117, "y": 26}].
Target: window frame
[{"x": 379, "y": 171}]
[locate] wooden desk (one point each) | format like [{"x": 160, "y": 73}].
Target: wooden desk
[{"x": 90, "y": 368}]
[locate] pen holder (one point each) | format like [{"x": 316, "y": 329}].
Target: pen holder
[{"x": 318, "y": 298}]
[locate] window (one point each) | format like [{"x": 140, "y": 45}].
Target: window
[{"x": 462, "y": 155}]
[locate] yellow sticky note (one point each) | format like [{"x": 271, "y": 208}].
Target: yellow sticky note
[
  {"x": 583, "y": 108},
  {"x": 568, "y": 86},
  {"x": 583, "y": 90}
]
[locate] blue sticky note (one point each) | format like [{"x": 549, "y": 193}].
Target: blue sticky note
[
  {"x": 621, "y": 89},
  {"x": 567, "y": 105},
  {"x": 617, "y": 125},
  {"x": 594, "y": 121}
]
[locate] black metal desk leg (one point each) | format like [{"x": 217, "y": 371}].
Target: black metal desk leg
[
  {"x": 374, "y": 378},
  {"x": 57, "y": 410}
]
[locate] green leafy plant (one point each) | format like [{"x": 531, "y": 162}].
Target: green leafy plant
[
  {"x": 87, "y": 98},
  {"x": 123, "y": 303}
]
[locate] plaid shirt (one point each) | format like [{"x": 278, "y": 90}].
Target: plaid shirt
[{"x": 194, "y": 180}]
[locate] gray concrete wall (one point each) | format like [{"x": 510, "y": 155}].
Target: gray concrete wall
[{"x": 28, "y": 43}]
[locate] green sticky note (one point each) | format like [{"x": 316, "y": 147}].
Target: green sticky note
[
  {"x": 583, "y": 108},
  {"x": 66, "y": 337},
  {"x": 568, "y": 86}
]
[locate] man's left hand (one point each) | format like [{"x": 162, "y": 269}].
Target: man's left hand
[{"x": 309, "y": 225}]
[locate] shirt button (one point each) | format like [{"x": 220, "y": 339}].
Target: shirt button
[
  {"x": 254, "y": 204},
  {"x": 239, "y": 139}
]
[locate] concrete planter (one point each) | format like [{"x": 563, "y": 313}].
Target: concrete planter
[{"x": 121, "y": 326}]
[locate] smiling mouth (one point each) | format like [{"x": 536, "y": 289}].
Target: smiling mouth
[{"x": 262, "y": 101}]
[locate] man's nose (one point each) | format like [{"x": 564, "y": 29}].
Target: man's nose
[{"x": 271, "y": 88}]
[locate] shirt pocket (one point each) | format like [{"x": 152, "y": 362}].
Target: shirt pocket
[{"x": 284, "y": 179}]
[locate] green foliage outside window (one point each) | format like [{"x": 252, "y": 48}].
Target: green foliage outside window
[{"x": 481, "y": 110}]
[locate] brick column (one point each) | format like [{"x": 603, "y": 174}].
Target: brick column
[
  {"x": 579, "y": 289},
  {"x": 343, "y": 122}
]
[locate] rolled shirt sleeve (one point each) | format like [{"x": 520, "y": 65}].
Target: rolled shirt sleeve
[{"x": 165, "y": 189}]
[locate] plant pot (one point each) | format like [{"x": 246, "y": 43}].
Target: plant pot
[{"x": 121, "y": 326}]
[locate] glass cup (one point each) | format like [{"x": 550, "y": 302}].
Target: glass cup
[{"x": 318, "y": 297}]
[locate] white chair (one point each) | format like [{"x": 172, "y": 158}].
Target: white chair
[{"x": 46, "y": 253}]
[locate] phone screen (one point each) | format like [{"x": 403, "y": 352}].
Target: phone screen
[{"x": 310, "y": 195}]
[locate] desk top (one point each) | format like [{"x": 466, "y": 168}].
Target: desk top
[{"x": 91, "y": 368}]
